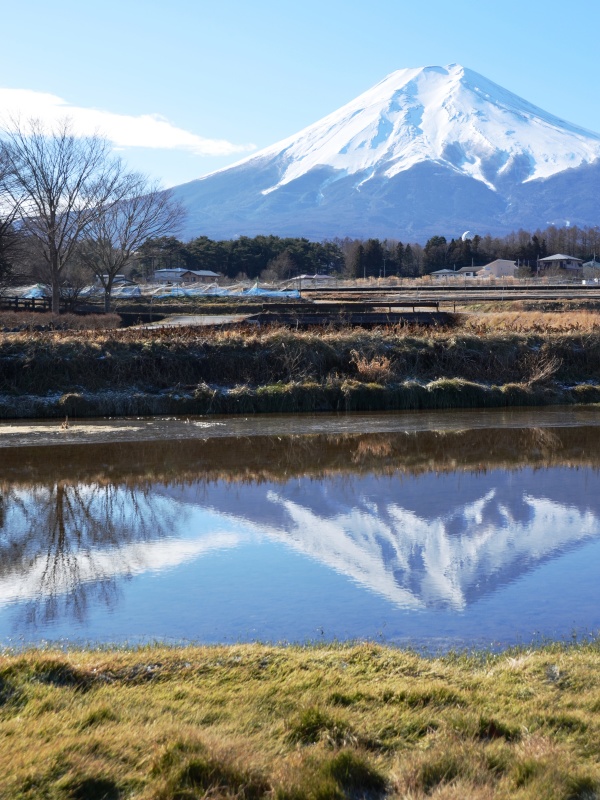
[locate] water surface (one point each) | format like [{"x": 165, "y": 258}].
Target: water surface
[{"x": 457, "y": 529}]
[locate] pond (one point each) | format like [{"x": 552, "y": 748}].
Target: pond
[{"x": 436, "y": 530}]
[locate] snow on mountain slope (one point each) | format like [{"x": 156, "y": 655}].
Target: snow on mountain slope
[
  {"x": 426, "y": 151},
  {"x": 417, "y": 547},
  {"x": 449, "y": 115}
]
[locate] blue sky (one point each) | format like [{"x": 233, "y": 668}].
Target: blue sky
[{"x": 185, "y": 87}]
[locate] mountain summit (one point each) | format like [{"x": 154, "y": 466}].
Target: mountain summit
[{"x": 428, "y": 150}]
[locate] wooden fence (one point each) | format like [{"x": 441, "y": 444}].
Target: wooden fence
[{"x": 25, "y": 303}]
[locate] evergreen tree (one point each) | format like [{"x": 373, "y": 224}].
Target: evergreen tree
[
  {"x": 373, "y": 258},
  {"x": 164, "y": 252},
  {"x": 435, "y": 254},
  {"x": 357, "y": 262},
  {"x": 204, "y": 253},
  {"x": 399, "y": 259},
  {"x": 329, "y": 257},
  {"x": 410, "y": 266}
]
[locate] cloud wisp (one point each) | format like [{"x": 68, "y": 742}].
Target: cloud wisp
[{"x": 146, "y": 130}]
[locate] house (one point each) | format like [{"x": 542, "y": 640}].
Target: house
[
  {"x": 500, "y": 268},
  {"x": 440, "y": 274},
  {"x": 593, "y": 264},
  {"x": 468, "y": 272},
  {"x": 180, "y": 275},
  {"x": 560, "y": 261},
  {"x": 200, "y": 276}
]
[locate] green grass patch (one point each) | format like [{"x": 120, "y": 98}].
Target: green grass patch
[{"x": 250, "y": 721}]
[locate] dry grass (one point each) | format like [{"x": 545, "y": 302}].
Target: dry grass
[
  {"x": 46, "y": 321},
  {"x": 241, "y": 370},
  {"x": 326, "y": 722},
  {"x": 542, "y": 322},
  {"x": 372, "y": 368},
  {"x": 188, "y": 357}
]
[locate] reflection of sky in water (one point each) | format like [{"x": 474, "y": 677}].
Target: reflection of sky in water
[{"x": 452, "y": 558}]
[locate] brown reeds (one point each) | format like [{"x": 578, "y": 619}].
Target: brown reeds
[{"x": 532, "y": 321}]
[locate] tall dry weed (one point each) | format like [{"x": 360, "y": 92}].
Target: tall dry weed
[
  {"x": 372, "y": 369},
  {"x": 544, "y": 368}
]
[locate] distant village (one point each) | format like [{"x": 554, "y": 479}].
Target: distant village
[{"x": 504, "y": 268}]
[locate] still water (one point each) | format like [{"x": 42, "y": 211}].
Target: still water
[{"x": 437, "y": 530}]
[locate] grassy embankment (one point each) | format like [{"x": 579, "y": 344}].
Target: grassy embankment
[
  {"x": 486, "y": 360},
  {"x": 322, "y": 722}
]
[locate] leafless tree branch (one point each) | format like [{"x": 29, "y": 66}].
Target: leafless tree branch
[{"x": 140, "y": 210}]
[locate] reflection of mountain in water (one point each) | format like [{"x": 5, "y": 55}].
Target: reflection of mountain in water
[
  {"x": 394, "y": 513},
  {"x": 424, "y": 541}
]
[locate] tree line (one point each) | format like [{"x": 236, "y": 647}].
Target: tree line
[
  {"x": 277, "y": 258},
  {"x": 265, "y": 257}
]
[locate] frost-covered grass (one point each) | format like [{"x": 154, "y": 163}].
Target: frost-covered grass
[{"x": 251, "y": 721}]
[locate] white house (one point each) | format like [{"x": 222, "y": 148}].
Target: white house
[{"x": 500, "y": 268}]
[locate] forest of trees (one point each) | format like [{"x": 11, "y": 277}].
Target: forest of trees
[
  {"x": 268, "y": 257},
  {"x": 275, "y": 258}
]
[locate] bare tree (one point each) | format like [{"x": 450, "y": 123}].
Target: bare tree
[
  {"x": 58, "y": 183},
  {"x": 10, "y": 237},
  {"x": 10, "y": 244},
  {"x": 141, "y": 211}
]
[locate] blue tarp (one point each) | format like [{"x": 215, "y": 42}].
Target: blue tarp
[
  {"x": 36, "y": 292},
  {"x": 293, "y": 294}
]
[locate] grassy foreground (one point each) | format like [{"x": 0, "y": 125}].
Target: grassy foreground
[{"x": 252, "y": 721}]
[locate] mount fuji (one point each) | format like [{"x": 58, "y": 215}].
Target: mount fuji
[{"x": 433, "y": 150}]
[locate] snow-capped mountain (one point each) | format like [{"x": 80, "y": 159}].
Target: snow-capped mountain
[{"x": 427, "y": 150}]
